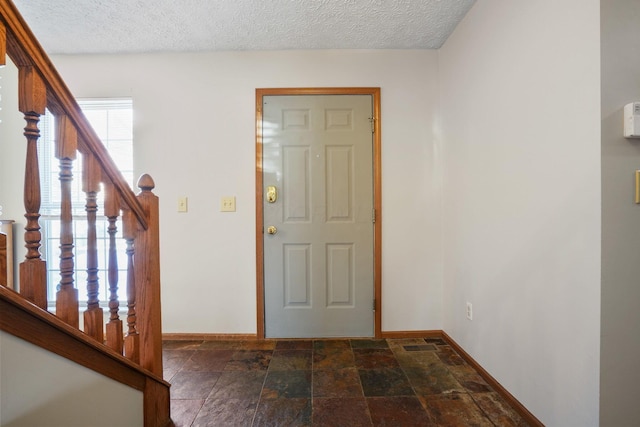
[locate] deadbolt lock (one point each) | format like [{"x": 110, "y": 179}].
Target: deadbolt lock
[{"x": 272, "y": 194}]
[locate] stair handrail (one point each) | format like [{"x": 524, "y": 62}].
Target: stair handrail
[
  {"x": 24, "y": 50},
  {"x": 42, "y": 86}
]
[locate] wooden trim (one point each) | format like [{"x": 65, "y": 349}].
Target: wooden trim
[
  {"x": 156, "y": 403},
  {"x": 377, "y": 177},
  {"x": 25, "y": 320},
  {"x": 377, "y": 205},
  {"x": 411, "y": 334},
  {"x": 511, "y": 400},
  {"x": 259, "y": 218},
  {"x": 209, "y": 337},
  {"x": 318, "y": 91},
  {"x": 3, "y": 44}
]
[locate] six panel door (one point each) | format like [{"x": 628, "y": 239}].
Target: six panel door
[{"x": 318, "y": 215}]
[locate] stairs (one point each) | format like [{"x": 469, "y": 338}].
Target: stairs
[{"x": 128, "y": 351}]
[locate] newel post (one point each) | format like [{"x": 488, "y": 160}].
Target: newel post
[{"x": 147, "y": 279}]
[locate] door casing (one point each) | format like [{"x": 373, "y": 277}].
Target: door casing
[{"x": 377, "y": 203}]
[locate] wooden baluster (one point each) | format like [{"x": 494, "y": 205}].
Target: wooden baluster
[
  {"x": 67, "y": 295},
  {"x": 115, "y": 340},
  {"x": 32, "y": 101},
  {"x": 93, "y": 316},
  {"x": 132, "y": 340},
  {"x": 148, "y": 280}
]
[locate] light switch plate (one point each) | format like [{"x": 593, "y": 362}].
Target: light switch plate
[
  {"x": 182, "y": 204},
  {"x": 228, "y": 204}
]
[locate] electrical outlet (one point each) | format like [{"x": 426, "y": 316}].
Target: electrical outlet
[{"x": 469, "y": 311}]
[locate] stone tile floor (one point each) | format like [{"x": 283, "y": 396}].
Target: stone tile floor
[{"x": 335, "y": 382}]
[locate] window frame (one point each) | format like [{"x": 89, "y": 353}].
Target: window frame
[{"x": 51, "y": 199}]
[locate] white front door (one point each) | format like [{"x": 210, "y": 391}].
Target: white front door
[{"x": 318, "y": 201}]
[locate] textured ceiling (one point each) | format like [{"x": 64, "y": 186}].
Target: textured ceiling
[{"x": 118, "y": 26}]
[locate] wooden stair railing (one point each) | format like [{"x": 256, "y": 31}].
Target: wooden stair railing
[{"x": 40, "y": 87}]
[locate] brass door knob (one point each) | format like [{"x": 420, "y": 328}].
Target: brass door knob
[{"x": 272, "y": 229}]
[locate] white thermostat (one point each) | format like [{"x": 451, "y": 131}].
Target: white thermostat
[{"x": 632, "y": 120}]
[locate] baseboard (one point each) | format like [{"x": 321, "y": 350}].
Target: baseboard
[
  {"x": 411, "y": 334},
  {"x": 208, "y": 337},
  {"x": 515, "y": 404},
  {"x": 213, "y": 337}
]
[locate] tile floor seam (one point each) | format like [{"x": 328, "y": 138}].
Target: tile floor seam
[
  {"x": 255, "y": 410},
  {"x": 483, "y": 411},
  {"x": 198, "y": 412},
  {"x": 312, "y": 394},
  {"x": 468, "y": 392},
  {"x": 361, "y": 386},
  {"x": 313, "y": 400}
]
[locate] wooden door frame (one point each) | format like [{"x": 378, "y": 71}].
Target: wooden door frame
[{"x": 377, "y": 194}]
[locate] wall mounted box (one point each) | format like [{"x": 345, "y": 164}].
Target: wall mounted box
[{"x": 632, "y": 120}]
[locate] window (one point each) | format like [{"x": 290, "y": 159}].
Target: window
[{"x": 112, "y": 119}]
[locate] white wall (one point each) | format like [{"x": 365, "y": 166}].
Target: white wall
[
  {"x": 13, "y": 149},
  {"x": 40, "y": 388},
  {"x": 620, "y": 340},
  {"x": 13, "y": 146},
  {"x": 194, "y": 132},
  {"x": 520, "y": 127}
]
